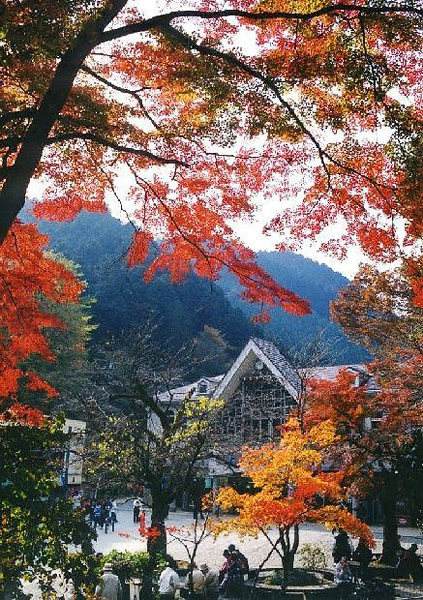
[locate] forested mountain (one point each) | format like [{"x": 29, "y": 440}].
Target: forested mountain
[
  {"x": 313, "y": 281},
  {"x": 179, "y": 313},
  {"x": 196, "y": 307}
]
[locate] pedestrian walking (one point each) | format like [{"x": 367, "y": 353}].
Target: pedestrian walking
[
  {"x": 211, "y": 582},
  {"x": 113, "y": 515},
  {"x": 141, "y": 521},
  {"x": 109, "y": 587},
  {"x": 169, "y": 582},
  {"x": 97, "y": 515}
]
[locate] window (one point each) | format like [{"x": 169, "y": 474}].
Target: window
[{"x": 202, "y": 387}]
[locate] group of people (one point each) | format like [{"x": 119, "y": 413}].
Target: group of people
[
  {"x": 103, "y": 514},
  {"x": 206, "y": 583},
  {"x": 342, "y": 552},
  {"x": 233, "y": 571},
  {"x": 408, "y": 564}
]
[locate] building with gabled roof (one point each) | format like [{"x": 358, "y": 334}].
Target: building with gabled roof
[
  {"x": 257, "y": 355},
  {"x": 260, "y": 389}
]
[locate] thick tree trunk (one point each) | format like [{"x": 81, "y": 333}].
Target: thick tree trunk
[
  {"x": 388, "y": 497},
  {"x": 159, "y": 512},
  {"x": 12, "y": 195},
  {"x": 11, "y": 586},
  {"x": 391, "y": 543},
  {"x": 289, "y": 555}
]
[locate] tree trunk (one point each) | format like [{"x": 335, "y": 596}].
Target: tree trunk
[
  {"x": 391, "y": 543},
  {"x": 159, "y": 512},
  {"x": 388, "y": 496},
  {"x": 289, "y": 555},
  {"x": 12, "y": 195},
  {"x": 11, "y": 586}
]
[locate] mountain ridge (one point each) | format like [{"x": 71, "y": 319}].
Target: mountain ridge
[{"x": 98, "y": 243}]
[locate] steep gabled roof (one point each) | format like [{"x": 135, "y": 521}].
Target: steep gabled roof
[
  {"x": 223, "y": 386},
  {"x": 281, "y": 363},
  {"x": 266, "y": 352}
]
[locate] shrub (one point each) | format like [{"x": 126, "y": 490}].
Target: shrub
[
  {"x": 134, "y": 564},
  {"x": 296, "y": 577},
  {"x": 312, "y": 557}
]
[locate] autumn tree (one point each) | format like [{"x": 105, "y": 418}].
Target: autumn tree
[
  {"x": 202, "y": 109},
  {"x": 378, "y": 443},
  {"x": 67, "y": 374},
  {"x": 32, "y": 282},
  {"x": 378, "y": 421},
  {"x": 288, "y": 484}
]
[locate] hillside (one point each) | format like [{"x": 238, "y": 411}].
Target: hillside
[
  {"x": 185, "y": 311},
  {"x": 315, "y": 282},
  {"x": 180, "y": 313}
]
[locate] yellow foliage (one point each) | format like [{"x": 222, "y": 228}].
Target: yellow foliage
[{"x": 287, "y": 478}]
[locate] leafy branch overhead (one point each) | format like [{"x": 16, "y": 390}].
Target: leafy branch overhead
[{"x": 205, "y": 114}]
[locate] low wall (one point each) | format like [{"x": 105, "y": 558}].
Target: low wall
[{"x": 325, "y": 591}]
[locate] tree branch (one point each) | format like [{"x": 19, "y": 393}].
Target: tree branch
[
  {"x": 16, "y": 115},
  {"x": 167, "y": 18},
  {"x": 114, "y": 146},
  {"x": 12, "y": 195},
  {"x": 122, "y": 90},
  {"x": 231, "y": 59}
]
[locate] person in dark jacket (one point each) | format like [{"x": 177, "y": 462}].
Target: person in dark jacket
[
  {"x": 341, "y": 547},
  {"x": 410, "y": 565},
  {"x": 363, "y": 555}
]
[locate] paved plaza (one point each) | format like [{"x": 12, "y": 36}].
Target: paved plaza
[{"x": 210, "y": 551}]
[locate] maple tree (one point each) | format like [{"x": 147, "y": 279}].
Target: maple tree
[
  {"x": 68, "y": 372},
  {"x": 190, "y": 537},
  {"x": 288, "y": 481},
  {"x": 377, "y": 310},
  {"x": 29, "y": 278},
  {"x": 203, "y": 123},
  {"x": 378, "y": 442},
  {"x": 378, "y": 427}
]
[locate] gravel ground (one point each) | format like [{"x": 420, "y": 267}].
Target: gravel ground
[{"x": 211, "y": 550}]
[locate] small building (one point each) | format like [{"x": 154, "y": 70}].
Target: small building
[{"x": 71, "y": 476}]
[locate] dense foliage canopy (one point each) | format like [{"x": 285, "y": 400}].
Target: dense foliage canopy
[
  {"x": 188, "y": 116},
  {"x": 378, "y": 419},
  {"x": 288, "y": 483},
  {"x": 37, "y": 521}
]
